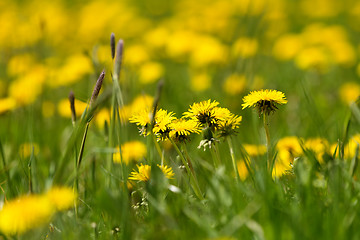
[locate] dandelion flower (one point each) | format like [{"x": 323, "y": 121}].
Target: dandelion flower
[
  {"x": 61, "y": 197},
  {"x": 144, "y": 172},
  {"x": 131, "y": 151},
  {"x": 202, "y": 112},
  {"x": 264, "y": 100},
  {"x": 162, "y": 121},
  {"x": 25, "y": 213},
  {"x": 182, "y": 128},
  {"x": 226, "y": 122},
  {"x": 168, "y": 172}
]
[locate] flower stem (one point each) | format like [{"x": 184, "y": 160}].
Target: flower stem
[
  {"x": 268, "y": 143},
  {"x": 158, "y": 149},
  {"x": 233, "y": 158},
  {"x": 193, "y": 181}
]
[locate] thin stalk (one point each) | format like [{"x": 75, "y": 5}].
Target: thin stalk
[
  {"x": 214, "y": 157},
  {"x": 268, "y": 143},
  {"x": 82, "y": 145},
  {"x": 8, "y": 179},
  {"x": 158, "y": 149},
  {"x": 231, "y": 148},
  {"x": 193, "y": 181},
  {"x": 188, "y": 159}
]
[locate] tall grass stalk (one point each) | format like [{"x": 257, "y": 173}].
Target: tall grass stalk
[{"x": 193, "y": 181}]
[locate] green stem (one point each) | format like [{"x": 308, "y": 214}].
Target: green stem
[
  {"x": 214, "y": 157},
  {"x": 158, "y": 149},
  {"x": 82, "y": 146},
  {"x": 2, "y": 154},
  {"x": 269, "y": 164},
  {"x": 193, "y": 181},
  {"x": 233, "y": 157}
]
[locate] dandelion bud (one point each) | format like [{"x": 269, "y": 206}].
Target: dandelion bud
[
  {"x": 72, "y": 106},
  {"x": 112, "y": 45},
  {"x": 118, "y": 58},
  {"x": 97, "y": 87}
]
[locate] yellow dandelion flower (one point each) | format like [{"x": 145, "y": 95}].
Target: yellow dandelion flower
[
  {"x": 131, "y": 151},
  {"x": 234, "y": 84},
  {"x": 7, "y": 104},
  {"x": 162, "y": 122},
  {"x": 264, "y": 100},
  {"x": 182, "y": 128},
  {"x": 61, "y": 197},
  {"x": 349, "y": 92},
  {"x": 144, "y": 172},
  {"x": 102, "y": 116},
  {"x": 226, "y": 122},
  {"x": 319, "y": 146},
  {"x": 290, "y": 144},
  {"x": 151, "y": 72},
  {"x": 168, "y": 172},
  {"x": 202, "y": 112},
  {"x": 24, "y": 213},
  {"x": 254, "y": 150},
  {"x": 243, "y": 170},
  {"x": 65, "y": 111}
]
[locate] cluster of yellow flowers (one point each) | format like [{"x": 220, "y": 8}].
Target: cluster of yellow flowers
[{"x": 30, "y": 211}]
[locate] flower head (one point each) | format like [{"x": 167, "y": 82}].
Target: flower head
[
  {"x": 226, "y": 122},
  {"x": 264, "y": 100},
  {"x": 144, "y": 172},
  {"x": 182, "y": 128},
  {"x": 25, "y": 213},
  {"x": 202, "y": 112},
  {"x": 61, "y": 197},
  {"x": 161, "y": 124},
  {"x": 130, "y": 151}
]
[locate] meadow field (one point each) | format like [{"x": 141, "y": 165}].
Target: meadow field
[{"x": 179, "y": 119}]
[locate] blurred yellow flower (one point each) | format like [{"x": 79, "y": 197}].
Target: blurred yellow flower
[
  {"x": 26, "y": 149},
  {"x": 101, "y": 116},
  {"x": 20, "y": 64},
  {"x": 200, "y": 82},
  {"x": 319, "y": 146},
  {"x": 24, "y": 213},
  {"x": 254, "y": 150},
  {"x": 180, "y": 43},
  {"x": 243, "y": 170},
  {"x": 61, "y": 198},
  {"x": 313, "y": 57},
  {"x": 208, "y": 51},
  {"x": 349, "y": 92},
  {"x": 74, "y": 69},
  {"x": 287, "y": 46},
  {"x": 29, "y": 86},
  {"x": 65, "y": 111},
  {"x": 234, "y": 84},
  {"x": 131, "y": 151},
  {"x": 7, "y": 104},
  {"x": 151, "y": 72},
  {"x": 136, "y": 55},
  {"x": 245, "y": 47}
]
